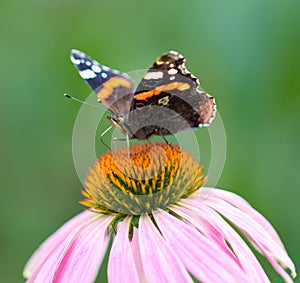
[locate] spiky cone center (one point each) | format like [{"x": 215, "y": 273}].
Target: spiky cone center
[{"x": 152, "y": 176}]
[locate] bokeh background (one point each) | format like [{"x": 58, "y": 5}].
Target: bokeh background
[{"x": 245, "y": 52}]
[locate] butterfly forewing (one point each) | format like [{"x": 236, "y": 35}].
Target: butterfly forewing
[
  {"x": 113, "y": 88},
  {"x": 169, "y": 97}
]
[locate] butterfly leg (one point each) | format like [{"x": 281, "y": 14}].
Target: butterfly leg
[
  {"x": 166, "y": 141},
  {"x": 128, "y": 145},
  {"x": 102, "y": 135},
  {"x": 115, "y": 139},
  {"x": 164, "y": 138}
]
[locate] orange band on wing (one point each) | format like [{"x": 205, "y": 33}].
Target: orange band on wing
[
  {"x": 174, "y": 85},
  {"x": 108, "y": 87},
  {"x": 147, "y": 94},
  {"x": 160, "y": 89}
]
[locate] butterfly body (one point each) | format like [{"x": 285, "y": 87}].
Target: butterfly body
[{"x": 166, "y": 100}]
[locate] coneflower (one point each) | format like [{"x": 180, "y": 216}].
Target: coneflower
[{"x": 164, "y": 226}]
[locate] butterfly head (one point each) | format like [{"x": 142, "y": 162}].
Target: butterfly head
[{"x": 117, "y": 122}]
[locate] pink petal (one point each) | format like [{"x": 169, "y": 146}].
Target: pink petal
[
  {"x": 201, "y": 256},
  {"x": 242, "y": 204},
  {"x": 137, "y": 255},
  {"x": 66, "y": 232},
  {"x": 255, "y": 227},
  {"x": 199, "y": 213},
  {"x": 121, "y": 265},
  {"x": 77, "y": 258},
  {"x": 82, "y": 261},
  {"x": 160, "y": 263},
  {"x": 46, "y": 270},
  {"x": 279, "y": 269},
  {"x": 206, "y": 227}
]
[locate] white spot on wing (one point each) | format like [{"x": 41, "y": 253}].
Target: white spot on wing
[
  {"x": 88, "y": 63},
  {"x": 78, "y": 53},
  {"x": 172, "y": 72},
  {"x": 87, "y": 74},
  {"x": 172, "y": 78},
  {"x": 164, "y": 101},
  {"x": 104, "y": 75},
  {"x": 96, "y": 69},
  {"x": 153, "y": 75},
  {"x": 75, "y": 61}
]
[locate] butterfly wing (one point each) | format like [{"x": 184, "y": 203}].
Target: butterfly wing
[
  {"x": 168, "y": 95},
  {"x": 113, "y": 89}
]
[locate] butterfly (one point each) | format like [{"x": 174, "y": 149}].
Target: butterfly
[{"x": 165, "y": 101}]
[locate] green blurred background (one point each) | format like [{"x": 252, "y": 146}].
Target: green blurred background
[{"x": 245, "y": 52}]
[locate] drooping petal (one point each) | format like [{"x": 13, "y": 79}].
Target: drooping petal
[
  {"x": 254, "y": 226},
  {"x": 203, "y": 225},
  {"x": 50, "y": 245},
  {"x": 66, "y": 259},
  {"x": 197, "y": 213},
  {"x": 82, "y": 261},
  {"x": 46, "y": 270},
  {"x": 121, "y": 264},
  {"x": 205, "y": 260},
  {"x": 243, "y": 205},
  {"x": 160, "y": 263},
  {"x": 279, "y": 269},
  {"x": 137, "y": 255}
]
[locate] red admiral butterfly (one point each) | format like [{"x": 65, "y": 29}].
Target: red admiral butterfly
[{"x": 166, "y": 100}]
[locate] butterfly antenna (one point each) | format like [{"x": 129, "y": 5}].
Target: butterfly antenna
[{"x": 81, "y": 101}]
